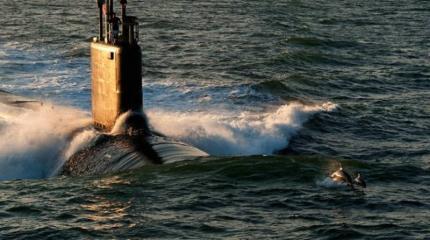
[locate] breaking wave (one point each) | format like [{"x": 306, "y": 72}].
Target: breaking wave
[
  {"x": 33, "y": 140},
  {"x": 227, "y": 133}
]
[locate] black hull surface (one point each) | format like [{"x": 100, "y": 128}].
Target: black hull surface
[{"x": 123, "y": 152}]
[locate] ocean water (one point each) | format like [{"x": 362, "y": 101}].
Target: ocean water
[{"x": 275, "y": 91}]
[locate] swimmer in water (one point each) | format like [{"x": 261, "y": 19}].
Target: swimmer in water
[
  {"x": 359, "y": 181},
  {"x": 342, "y": 176}
]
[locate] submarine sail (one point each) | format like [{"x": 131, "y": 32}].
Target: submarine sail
[
  {"x": 125, "y": 139},
  {"x": 116, "y": 67}
]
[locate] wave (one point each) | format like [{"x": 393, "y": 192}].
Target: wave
[
  {"x": 225, "y": 133},
  {"x": 33, "y": 140}
]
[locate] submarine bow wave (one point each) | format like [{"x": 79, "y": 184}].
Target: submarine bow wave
[
  {"x": 230, "y": 133},
  {"x": 33, "y": 140},
  {"x": 38, "y": 138}
]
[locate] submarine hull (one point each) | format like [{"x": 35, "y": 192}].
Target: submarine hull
[
  {"x": 130, "y": 145},
  {"x": 120, "y": 153}
]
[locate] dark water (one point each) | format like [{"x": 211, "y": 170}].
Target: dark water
[{"x": 314, "y": 81}]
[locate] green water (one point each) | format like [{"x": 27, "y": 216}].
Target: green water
[{"x": 231, "y": 61}]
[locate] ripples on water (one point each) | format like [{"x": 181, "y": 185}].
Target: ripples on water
[{"x": 247, "y": 59}]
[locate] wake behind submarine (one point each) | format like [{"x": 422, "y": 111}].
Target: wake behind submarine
[{"x": 126, "y": 140}]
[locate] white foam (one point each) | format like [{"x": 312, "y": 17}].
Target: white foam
[
  {"x": 228, "y": 133},
  {"x": 120, "y": 126},
  {"x": 80, "y": 141},
  {"x": 329, "y": 183},
  {"x": 32, "y": 140},
  {"x": 34, "y": 143}
]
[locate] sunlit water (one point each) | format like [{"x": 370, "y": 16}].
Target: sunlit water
[{"x": 275, "y": 91}]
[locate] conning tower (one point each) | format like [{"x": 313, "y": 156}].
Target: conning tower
[{"x": 116, "y": 66}]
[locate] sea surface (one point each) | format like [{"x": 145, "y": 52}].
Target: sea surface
[{"x": 277, "y": 92}]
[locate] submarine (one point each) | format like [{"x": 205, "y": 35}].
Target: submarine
[{"x": 124, "y": 139}]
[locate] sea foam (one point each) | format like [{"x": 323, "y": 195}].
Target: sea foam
[
  {"x": 33, "y": 140},
  {"x": 228, "y": 133},
  {"x": 34, "y": 143}
]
